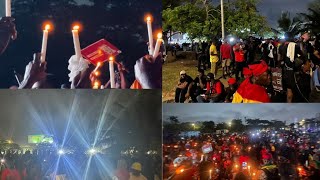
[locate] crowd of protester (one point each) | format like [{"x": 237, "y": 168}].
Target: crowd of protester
[
  {"x": 264, "y": 155},
  {"x": 49, "y": 164},
  {"x": 264, "y": 70}
]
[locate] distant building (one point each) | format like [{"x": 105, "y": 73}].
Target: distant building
[
  {"x": 189, "y": 133},
  {"x": 222, "y": 131}
]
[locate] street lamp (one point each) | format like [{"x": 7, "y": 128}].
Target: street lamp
[{"x": 222, "y": 20}]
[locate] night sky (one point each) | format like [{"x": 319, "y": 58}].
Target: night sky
[
  {"x": 30, "y": 112},
  {"x": 272, "y": 9},
  {"x": 226, "y": 112}
]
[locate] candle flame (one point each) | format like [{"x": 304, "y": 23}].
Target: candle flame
[
  {"x": 76, "y": 27},
  {"x": 159, "y": 35},
  {"x": 96, "y": 83},
  {"x": 99, "y": 64},
  {"x": 97, "y": 73},
  {"x": 148, "y": 18},
  {"x": 111, "y": 58},
  {"x": 47, "y": 27}
]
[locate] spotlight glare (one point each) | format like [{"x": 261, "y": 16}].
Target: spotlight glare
[
  {"x": 61, "y": 152},
  {"x": 92, "y": 151}
]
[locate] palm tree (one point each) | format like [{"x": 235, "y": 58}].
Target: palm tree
[
  {"x": 286, "y": 24},
  {"x": 312, "y": 20}
]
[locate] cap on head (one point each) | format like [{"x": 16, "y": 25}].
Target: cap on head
[
  {"x": 232, "y": 81},
  {"x": 256, "y": 69},
  {"x": 182, "y": 72},
  {"x": 136, "y": 166}
]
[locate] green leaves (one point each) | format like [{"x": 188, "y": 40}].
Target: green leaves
[{"x": 202, "y": 19}]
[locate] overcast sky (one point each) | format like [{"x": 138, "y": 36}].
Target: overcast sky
[
  {"x": 226, "y": 112},
  {"x": 33, "y": 112},
  {"x": 272, "y": 9}
]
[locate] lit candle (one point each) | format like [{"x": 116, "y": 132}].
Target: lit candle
[
  {"x": 76, "y": 41},
  {"x": 249, "y": 169},
  {"x": 8, "y": 8},
  {"x": 158, "y": 44},
  {"x": 151, "y": 48},
  {"x": 96, "y": 84},
  {"x": 111, "y": 69},
  {"x": 44, "y": 43},
  {"x": 210, "y": 174}
]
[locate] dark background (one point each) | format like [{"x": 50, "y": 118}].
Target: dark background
[{"x": 119, "y": 22}]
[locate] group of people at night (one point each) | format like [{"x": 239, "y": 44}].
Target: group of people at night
[
  {"x": 48, "y": 165},
  {"x": 147, "y": 70},
  {"x": 256, "y": 71},
  {"x": 267, "y": 155}
]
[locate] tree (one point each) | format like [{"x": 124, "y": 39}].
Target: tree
[
  {"x": 312, "y": 20},
  {"x": 201, "y": 19},
  {"x": 186, "y": 18},
  {"x": 174, "y": 119},
  {"x": 237, "y": 126},
  {"x": 242, "y": 19},
  {"x": 221, "y": 126},
  {"x": 286, "y": 24},
  {"x": 207, "y": 127},
  {"x": 284, "y": 21}
]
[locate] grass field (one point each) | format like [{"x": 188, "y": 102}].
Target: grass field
[{"x": 170, "y": 76}]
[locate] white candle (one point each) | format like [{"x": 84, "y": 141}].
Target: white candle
[
  {"x": 157, "y": 48},
  {"x": 8, "y": 8},
  {"x": 111, "y": 70},
  {"x": 151, "y": 48},
  {"x": 44, "y": 43},
  {"x": 210, "y": 174},
  {"x": 76, "y": 41}
]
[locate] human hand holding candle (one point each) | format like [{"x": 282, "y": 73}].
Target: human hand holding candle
[
  {"x": 158, "y": 44},
  {"x": 149, "y": 26},
  {"x": 149, "y": 73},
  {"x": 44, "y": 42},
  {"x": 35, "y": 72}
]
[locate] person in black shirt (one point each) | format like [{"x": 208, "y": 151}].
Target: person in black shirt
[
  {"x": 198, "y": 86},
  {"x": 182, "y": 88},
  {"x": 290, "y": 67},
  {"x": 233, "y": 86},
  {"x": 302, "y": 79}
]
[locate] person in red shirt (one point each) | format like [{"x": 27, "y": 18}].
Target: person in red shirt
[
  {"x": 10, "y": 172},
  {"x": 215, "y": 91},
  {"x": 225, "y": 52},
  {"x": 252, "y": 89},
  {"x": 239, "y": 53}
]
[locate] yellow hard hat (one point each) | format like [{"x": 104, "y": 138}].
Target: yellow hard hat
[{"x": 136, "y": 166}]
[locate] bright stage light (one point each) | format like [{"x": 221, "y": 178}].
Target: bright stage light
[
  {"x": 92, "y": 151},
  {"x": 61, "y": 152}
]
